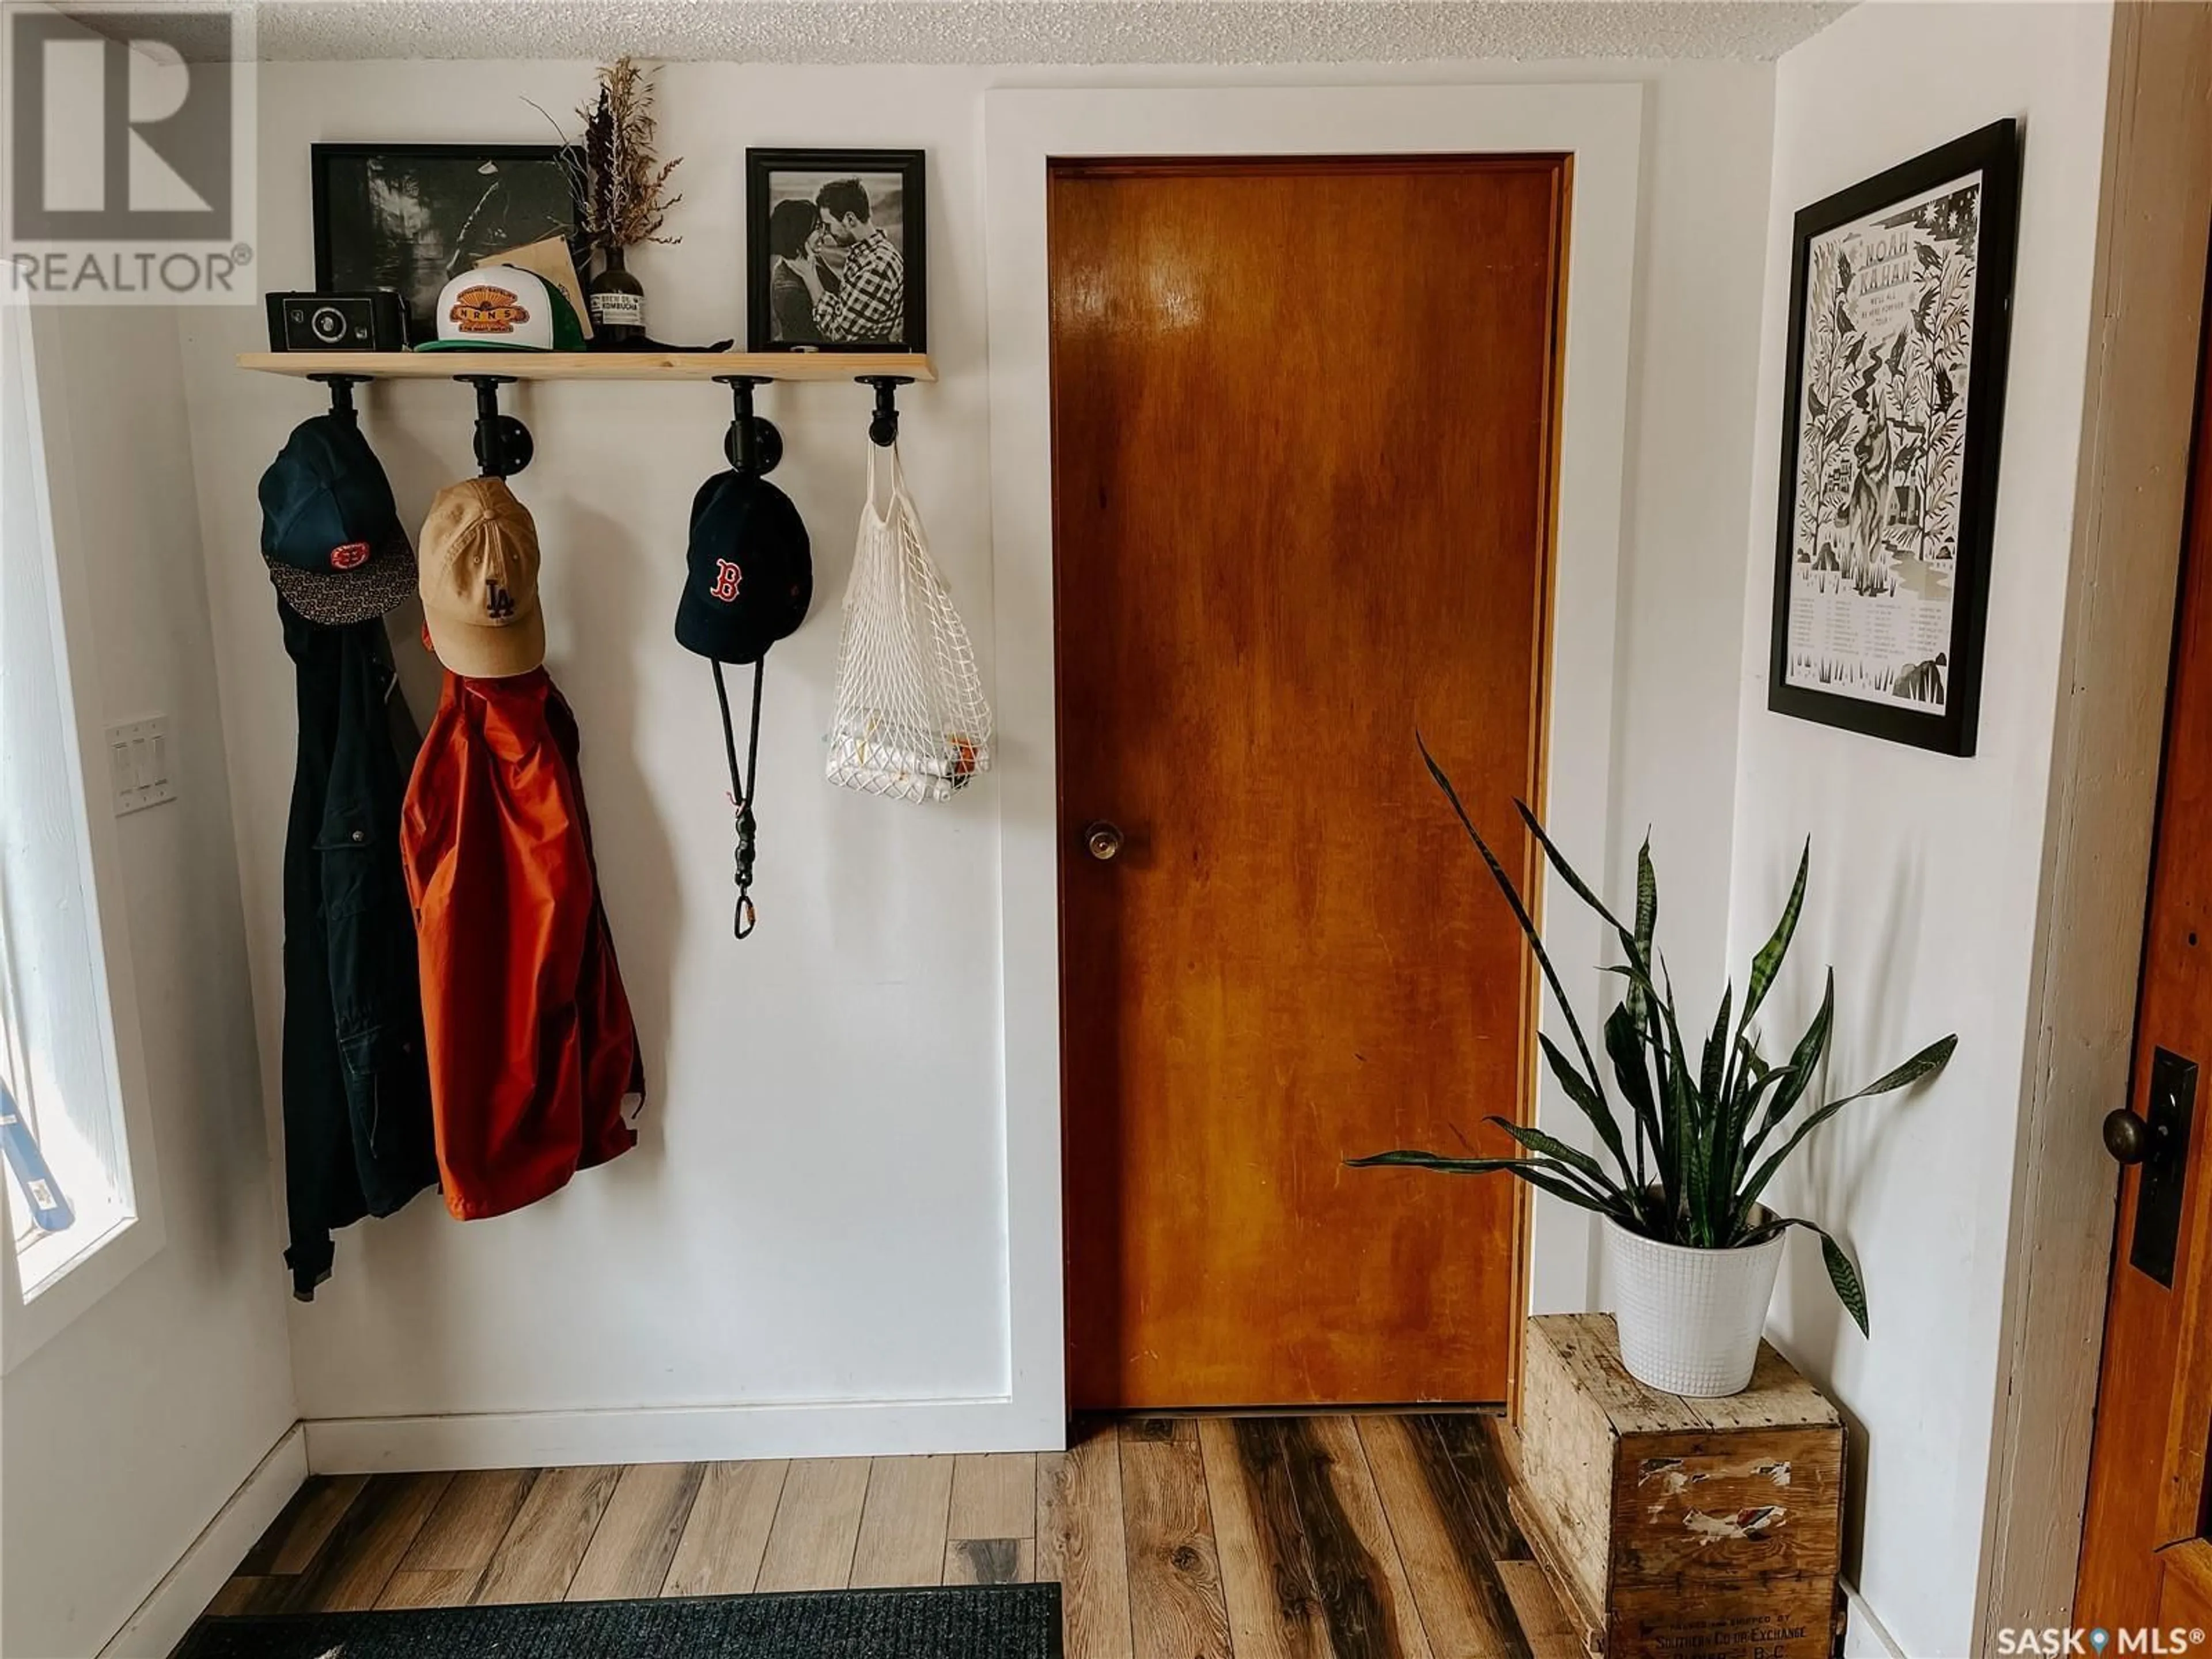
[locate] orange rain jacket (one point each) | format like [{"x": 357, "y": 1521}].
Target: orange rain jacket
[{"x": 533, "y": 1051}]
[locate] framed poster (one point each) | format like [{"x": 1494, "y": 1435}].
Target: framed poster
[
  {"x": 1900, "y": 298},
  {"x": 834, "y": 255},
  {"x": 414, "y": 217}
]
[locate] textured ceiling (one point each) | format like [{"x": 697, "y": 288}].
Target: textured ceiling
[{"x": 1040, "y": 30}]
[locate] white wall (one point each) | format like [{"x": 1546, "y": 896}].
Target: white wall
[
  {"x": 817, "y": 1211},
  {"x": 1926, "y": 869},
  {"x": 123, "y": 1434}
]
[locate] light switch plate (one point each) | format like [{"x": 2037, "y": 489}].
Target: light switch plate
[{"x": 138, "y": 765}]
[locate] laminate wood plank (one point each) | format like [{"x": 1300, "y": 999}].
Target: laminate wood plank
[
  {"x": 1176, "y": 1605},
  {"x": 1544, "y": 1623},
  {"x": 990, "y": 1561},
  {"x": 1369, "y": 1606},
  {"x": 902, "y": 1524},
  {"x": 366, "y": 1547},
  {"x": 994, "y": 1495},
  {"x": 1308, "y": 1562},
  {"x": 1080, "y": 1543},
  {"x": 1467, "y": 1444},
  {"x": 1465, "y": 1606},
  {"x": 636, "y": 1537},
  {"x": 726, "y": 1536},
  {"x": 540, "y": 1553},
  {"x": 817, "y": 1524},
  {"x": 1266, "y": 1575},
  {"x": 248, "y": 1592},
  {"x": 297, "y": 1536},
  {"x": 1266, "y": 1538},
  {"x": 471, "y": 1519},
  {"x": 1159, "y": 1430},
  {"x": 431, "y": 1587}
]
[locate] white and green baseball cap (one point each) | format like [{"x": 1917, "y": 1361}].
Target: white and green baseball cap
[{"x": 504, "y": 308}]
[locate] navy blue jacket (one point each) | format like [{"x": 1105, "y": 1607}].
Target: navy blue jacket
[{"x": 357, "y": 1134}]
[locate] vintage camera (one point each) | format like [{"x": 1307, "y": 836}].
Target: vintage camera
[{"x": 375, "y": 320}]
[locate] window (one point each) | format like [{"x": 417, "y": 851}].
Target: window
[{"x": 64, "y": 1147}]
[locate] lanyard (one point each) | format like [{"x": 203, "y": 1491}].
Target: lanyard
[{"x": 740, "y": 796}]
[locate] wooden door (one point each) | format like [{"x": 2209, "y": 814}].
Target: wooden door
[
  {"x": 1302, "y": 418},
  {"x": 2146, "y": 1562}
]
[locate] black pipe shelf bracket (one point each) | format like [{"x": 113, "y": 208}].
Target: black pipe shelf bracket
[
  {"x": 883, "y": 425},
  {"x": 753, "y": 445},
  {"x": 503, "y": 444},
  {"x": 341, "y": 387}
]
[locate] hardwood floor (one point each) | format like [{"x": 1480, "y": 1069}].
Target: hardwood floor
[{"x": 1375, "y": 1537}]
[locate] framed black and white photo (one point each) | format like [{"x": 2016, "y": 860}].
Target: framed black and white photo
[
  {"x": 414, "y": 217},
  {"x": 834, "y": 255},
  {"x": 1901, "y": 296}
]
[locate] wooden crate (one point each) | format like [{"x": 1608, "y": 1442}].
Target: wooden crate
[{"x": 1677, "y": 1528}]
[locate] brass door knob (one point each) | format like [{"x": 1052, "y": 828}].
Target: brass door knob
[
  {"x": 2128, "y": 1138},
  {"x": 1104, "y": 839}
]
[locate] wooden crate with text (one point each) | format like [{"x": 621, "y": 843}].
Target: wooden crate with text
[{"x": 1679, "y": 1528}]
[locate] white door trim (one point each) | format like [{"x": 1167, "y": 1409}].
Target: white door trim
[
  {"x": 1600, "y": 127},
  {"x": 2110, "y": 735}
]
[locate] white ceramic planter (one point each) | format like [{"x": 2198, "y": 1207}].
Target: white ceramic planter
[{"x": 1690, "y": 1319}]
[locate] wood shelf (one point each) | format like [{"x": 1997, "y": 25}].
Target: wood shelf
[{"x": 591, "y": 365}]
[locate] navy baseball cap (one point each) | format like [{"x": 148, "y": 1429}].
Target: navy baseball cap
[
  {"x": 750, "y": 574},
  {"x": 330, "y": 530}
]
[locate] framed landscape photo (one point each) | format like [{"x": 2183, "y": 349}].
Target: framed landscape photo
[
  {"x": 835, "y": 254},
  {"x": 1900, "y": 298},
  {"x": 414, "y": 217}
]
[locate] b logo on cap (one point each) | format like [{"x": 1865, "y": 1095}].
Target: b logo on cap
[
  {"x": 726, "y": 578},
  {"x": 350, "y": 556}
]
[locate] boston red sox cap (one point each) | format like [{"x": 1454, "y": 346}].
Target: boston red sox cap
[
  {"x": 749, "y": 578},
  {"x": 750, "y": 573}
]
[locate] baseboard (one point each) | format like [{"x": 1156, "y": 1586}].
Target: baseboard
[
  {"x": 186, "y": 1589},
  {"x": 684, "y": 1434},
  {"x": 1866, "y": 1637}
]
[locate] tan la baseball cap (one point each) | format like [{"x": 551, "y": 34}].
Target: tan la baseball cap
[{"x": 479, "y": 563}]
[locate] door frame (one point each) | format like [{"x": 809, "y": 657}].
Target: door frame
[
  {"x": 2109, "y": 733},
  {"x": 1600, "y": 126}
]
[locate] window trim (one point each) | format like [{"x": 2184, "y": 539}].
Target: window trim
[{"x": 28, "y": 337}]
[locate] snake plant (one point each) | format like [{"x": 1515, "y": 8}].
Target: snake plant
[{"x": 1689, "y": 1168}]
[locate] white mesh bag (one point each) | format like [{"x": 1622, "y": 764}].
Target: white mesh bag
[{"x": 911, "y": 722}]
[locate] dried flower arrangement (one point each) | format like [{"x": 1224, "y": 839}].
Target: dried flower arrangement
[{"x": 625, "y": 184}]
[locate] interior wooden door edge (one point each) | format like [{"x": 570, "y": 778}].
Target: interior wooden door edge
[
  {"x": 2154, "y": 219},
  {"x": 1525, "y": 1230}
]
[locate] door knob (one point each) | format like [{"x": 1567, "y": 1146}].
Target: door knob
[
  {"x": 1104, "y": 839},
  {"x": 2128, "y": 1138}
]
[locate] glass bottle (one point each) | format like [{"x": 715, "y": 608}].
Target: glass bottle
[{"x": 616, "y": 300}]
